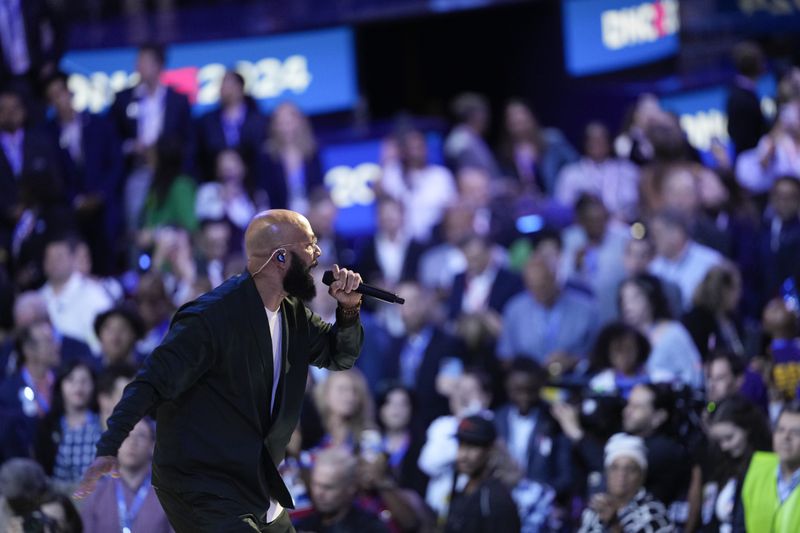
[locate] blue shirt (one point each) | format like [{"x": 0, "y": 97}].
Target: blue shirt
[{"x": 531, "y": 329}]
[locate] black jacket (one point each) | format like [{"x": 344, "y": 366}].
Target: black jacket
[{"x": 211, "y": 382}]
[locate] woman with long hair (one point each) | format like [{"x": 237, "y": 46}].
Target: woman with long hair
[
  {"x": 673, "y": 355},
  {"x": 736, "y": 430},
  {"x": 289, "y": 164},
  {"x": 712, "y": 320},
  {"x": 345, "y": 406},
  {"x": 67, "y": 436}
]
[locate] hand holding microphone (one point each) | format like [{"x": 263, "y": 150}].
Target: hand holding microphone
[{"x": 333, "y": 279}]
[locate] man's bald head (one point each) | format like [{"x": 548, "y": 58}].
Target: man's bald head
[{"x": 271, "y": 229}]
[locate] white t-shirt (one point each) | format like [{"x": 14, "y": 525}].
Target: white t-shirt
[{"x": 276, "y": 333}]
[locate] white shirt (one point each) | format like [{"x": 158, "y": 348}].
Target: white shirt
[
  {"x": 71, "y": 138},
  {"x": 688, "y": 270},
  {"x": 276, "y": 334},
  {"x": 477, "y": 290},
  {"x": 390, "y": 256},
  {"x": 150, "y": 115},
  {"x": 425, "y": 193},
  {"x": 74, "y": 309},
  {"x": 520, "y": 429}
]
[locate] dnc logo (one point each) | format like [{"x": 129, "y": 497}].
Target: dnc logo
[{"x": 639, "y": 24}]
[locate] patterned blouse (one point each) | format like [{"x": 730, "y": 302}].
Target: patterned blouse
[
  {"x": 76, "y": 449},
  {"x": 642, "y": 514}
]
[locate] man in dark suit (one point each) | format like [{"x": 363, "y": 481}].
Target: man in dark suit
[
  {"x": 532, "y": 435},
  {"x": 24, "y": 151},
  {"x": 779, "y": 241},
  {"x": 150, "y": 110},
  {"x": 92, "y": 160},
  {"x": 228, "y": 383},
  {"x": 236, "y": 123},
  {"x": 484, "y": 287},
  {"x": 417, "y": 358},
  {"x": 746, "y": 123}
]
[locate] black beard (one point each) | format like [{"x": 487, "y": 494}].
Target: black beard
[{"x": 298, "y": 281}]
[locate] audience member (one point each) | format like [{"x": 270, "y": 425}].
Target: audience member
[
  {"x": 58, "y": 507},
  {"x": 237, "y": 124},
  {"x": 480, "y": 293},
  {"x": 479, "y": 501},
  {"x": 423, "y": 188},
  {"x": 533, "y": 155},
  {"x": 119, "y": 329},
  {"x": 155, "y": 307},
  {"x": 400, "y": 442},
  {"x": 614, "y": 181},
  {"x": 170, "y": 199},
  {"x": 770, "y": 494},
  {"x": 92, "y": 159},
  {"x": 626, "y": 505},
  {"x": 470, "y": 393},
  {"x": 678, "y": 258},
  {"x": 713, "y": 319},
  {"x": 737, "y": 429},
  {"x": 593, "y": 248},
  {"x": 439, "y": 265},
  {"x": 230, "y": 197},
  {"x": 465, "y": 145},
  {"x": 532, "y": 436},
  {"x": 746, "y": 122},
  {"x": 289, "y": 164},
  {"x": 779, "y": 247},
  {"x": 68, "y": 434},
  {"x": 423, "y": 351},
  {"x": 780, "y": 323},
  {"x": 128, "y": 501},
  {"x": 149, "y": 111},
  {"x": 673, "y": 356},
  {"x": 23, "y": 489},
  {"x": 618, "y": 360},
  {"x": 73, "y": 300},
  {"x": 334, "y": 484},
  {"x": 345, "y": 407},
  {"x": 392, "y": 255},
  {"x": 729, "y": 375},
  {"x": 552, "y": 325},
  {"x": 776, "y": 154},
  {"x": 322, "y": 216}
]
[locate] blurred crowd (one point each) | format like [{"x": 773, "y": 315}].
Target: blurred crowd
[{"x": 600, "y": 338}]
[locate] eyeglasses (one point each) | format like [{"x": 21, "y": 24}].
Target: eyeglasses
[{"x": 313, "y": 243}]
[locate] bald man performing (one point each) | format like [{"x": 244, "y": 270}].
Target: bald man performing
[{"x": 227, "y": 384}]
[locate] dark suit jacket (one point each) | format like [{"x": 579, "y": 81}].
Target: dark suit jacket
[
  {"x": 746, "y": 123},
  {"x": 549, "y": 450},
  {"x": 506, "y": 285},
  {"x": 211, "y": 382},
  {"x": 429, "y": 403},
  {"x": 775, "y": 266},
  {"x": 36, "y": 16},
  {"x": 272, "y": 178},
  {"x": 211, "y": 139},
  {"x": 39, "y": 154},
  {"x": 177, "y": 118}
]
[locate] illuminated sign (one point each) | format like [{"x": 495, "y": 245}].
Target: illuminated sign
[
  {"x": 314, "y": 69},
  {"x": 702, "y": 112},
  {"x": 606, "y": 35}
]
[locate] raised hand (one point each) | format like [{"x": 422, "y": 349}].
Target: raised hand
[{"x": 101, "y": 466}]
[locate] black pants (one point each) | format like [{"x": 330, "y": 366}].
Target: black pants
[{"x": 197, "y": 512}]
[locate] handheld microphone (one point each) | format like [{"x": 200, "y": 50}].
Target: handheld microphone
[{"x": 367, "y": 290}]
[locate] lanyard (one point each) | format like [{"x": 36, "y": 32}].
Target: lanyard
[
  {"x": 44, "y": 406},
  {"x": 126, "y": 518}
]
